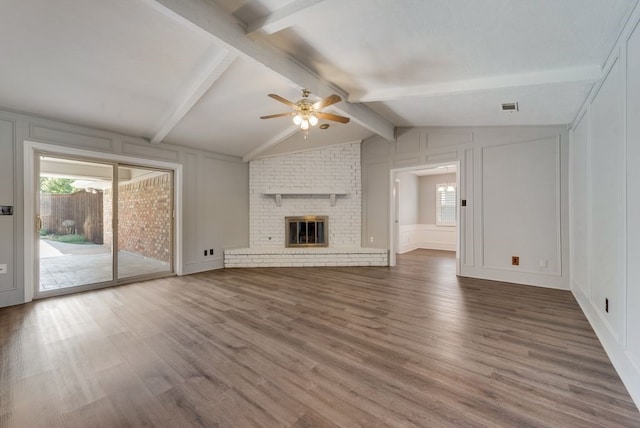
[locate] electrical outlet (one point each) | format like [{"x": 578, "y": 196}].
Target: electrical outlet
[
  {"x": 3, "y": 268},
  {"x": 515, "y": 260},
  {"x": 211, "y": 251},
  {"x": 371, "y": 239},
  {"x": 606, "y": 304}
]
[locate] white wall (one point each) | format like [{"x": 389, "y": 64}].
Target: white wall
[
  {"x": 215, "y": 202},
  {"x": 522, "y": 170},
  {"x": 417, "y": 226},
  {"x": 605, "y": 207},
  {"x": 409, "y": 196},
  {"x": 427, "y": 185},
  {"x": 426, "y": 236},
  {"x": 10, "y": 291},
  {"x": 631, "y": 318},
  {"x": 521, "y": 206}
]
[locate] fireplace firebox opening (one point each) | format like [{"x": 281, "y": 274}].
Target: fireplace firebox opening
[{"x": 307, "y": 231}]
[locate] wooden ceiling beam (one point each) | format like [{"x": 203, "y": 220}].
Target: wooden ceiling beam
[
  {"x": 224, "y": 28},
  {"x": 283, "y": 17},
  {"x": 589, "y": 73},
  {"x": 215, "y": 62}
]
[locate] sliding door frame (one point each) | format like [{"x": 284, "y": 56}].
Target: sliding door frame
[
  {"x": 38, "y": 293},
  {"x": 116, "y": 222},
  {"x": 32, "y": 151}
]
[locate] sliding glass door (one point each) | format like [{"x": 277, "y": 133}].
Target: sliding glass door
[{"x": 101, "y": 223}]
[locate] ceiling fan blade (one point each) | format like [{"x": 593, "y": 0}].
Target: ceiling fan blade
[
  {"x": 333, "y": 117},
  {"x": 331, "y": 99},
  {"x": 282, "y": 100},
  {"x": 271, "y": 116}
]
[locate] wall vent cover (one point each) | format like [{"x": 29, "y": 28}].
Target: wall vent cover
[{"x": 510, "y": 107}]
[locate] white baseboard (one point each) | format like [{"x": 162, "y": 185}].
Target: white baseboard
[
  {"x": 428, "y": 237},
  {"x": 623, "y": 363},
  {"x": 217, "y": 263}
]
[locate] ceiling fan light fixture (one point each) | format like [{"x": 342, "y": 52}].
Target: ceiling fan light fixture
[
  {"x": 306, "y": 113},
  {"x": 450, "y": 188}
]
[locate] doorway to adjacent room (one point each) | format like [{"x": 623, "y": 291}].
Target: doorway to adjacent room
[{"x": 424, "y": 209}]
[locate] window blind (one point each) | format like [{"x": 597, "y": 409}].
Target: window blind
[{"x": 445, "y": 205}]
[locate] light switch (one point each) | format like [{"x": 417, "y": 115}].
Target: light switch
[{"x": 3, "y": 269}]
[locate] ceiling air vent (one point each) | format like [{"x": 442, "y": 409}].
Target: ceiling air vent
[{"x": 510, "y": 107}]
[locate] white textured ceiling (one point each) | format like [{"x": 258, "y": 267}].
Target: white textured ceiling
[{"x": 197, "y": 72}]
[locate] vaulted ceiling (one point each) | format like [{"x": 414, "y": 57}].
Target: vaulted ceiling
[{"x": 197, "y": 72}]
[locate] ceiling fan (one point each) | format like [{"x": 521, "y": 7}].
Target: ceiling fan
[{"x": 306, "y": 113}]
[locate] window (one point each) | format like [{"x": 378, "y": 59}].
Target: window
[{"x": 445, "y": 205}]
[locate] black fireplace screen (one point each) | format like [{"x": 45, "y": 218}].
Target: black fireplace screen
[{"x": 307, "y": 231}]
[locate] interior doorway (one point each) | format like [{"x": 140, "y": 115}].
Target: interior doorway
[
  {"x": 100, "y": 223},
  {"x": 425, "y": 210}
]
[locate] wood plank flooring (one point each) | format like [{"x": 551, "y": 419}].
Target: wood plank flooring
[{"x": 410, "y": 346}]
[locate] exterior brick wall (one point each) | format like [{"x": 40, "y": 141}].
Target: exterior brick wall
[
  {"x": 107, "y": 217},
  {"x": 145, "y": 217}
]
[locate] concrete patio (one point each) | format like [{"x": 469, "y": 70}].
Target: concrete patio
[{"x": 65, "y": 265}]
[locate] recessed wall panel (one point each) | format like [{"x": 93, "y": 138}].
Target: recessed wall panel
[
  {"x": 607, "y": 216},
  {"x": 520, "y": 206},
  {"x": 6, "y": 199},
  {"x": 633, "y": 196},
  {"x": 409, "y": 141},
  {"x": 466, "y": 213},
  {"x": 70, "y": 138},
  {"x": 436, "y": 139},
  {"x": 580, "y": 206}
]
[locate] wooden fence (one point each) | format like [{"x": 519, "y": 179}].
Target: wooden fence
[{"x": 80, "y": 213}]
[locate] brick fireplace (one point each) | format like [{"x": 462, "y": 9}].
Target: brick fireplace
[{"x": 325, "y": 182}]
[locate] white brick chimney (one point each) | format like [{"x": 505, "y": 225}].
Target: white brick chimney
[{"x": 325, "y": 181}]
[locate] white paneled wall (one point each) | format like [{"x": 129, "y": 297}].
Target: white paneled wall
[
  {"x": 606, "y": 187},
  {"x": 605, "y": 207},
  {"x": 512, "y": 179},
  {"x": 10, "y": 290},
  {"x": 521, "y": 194},
  {"x": 580, "y": 206},
  {"x": 632, "y": 199}
]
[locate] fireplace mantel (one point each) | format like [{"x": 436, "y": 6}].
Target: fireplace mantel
[{"x": 332, "y": 195}]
